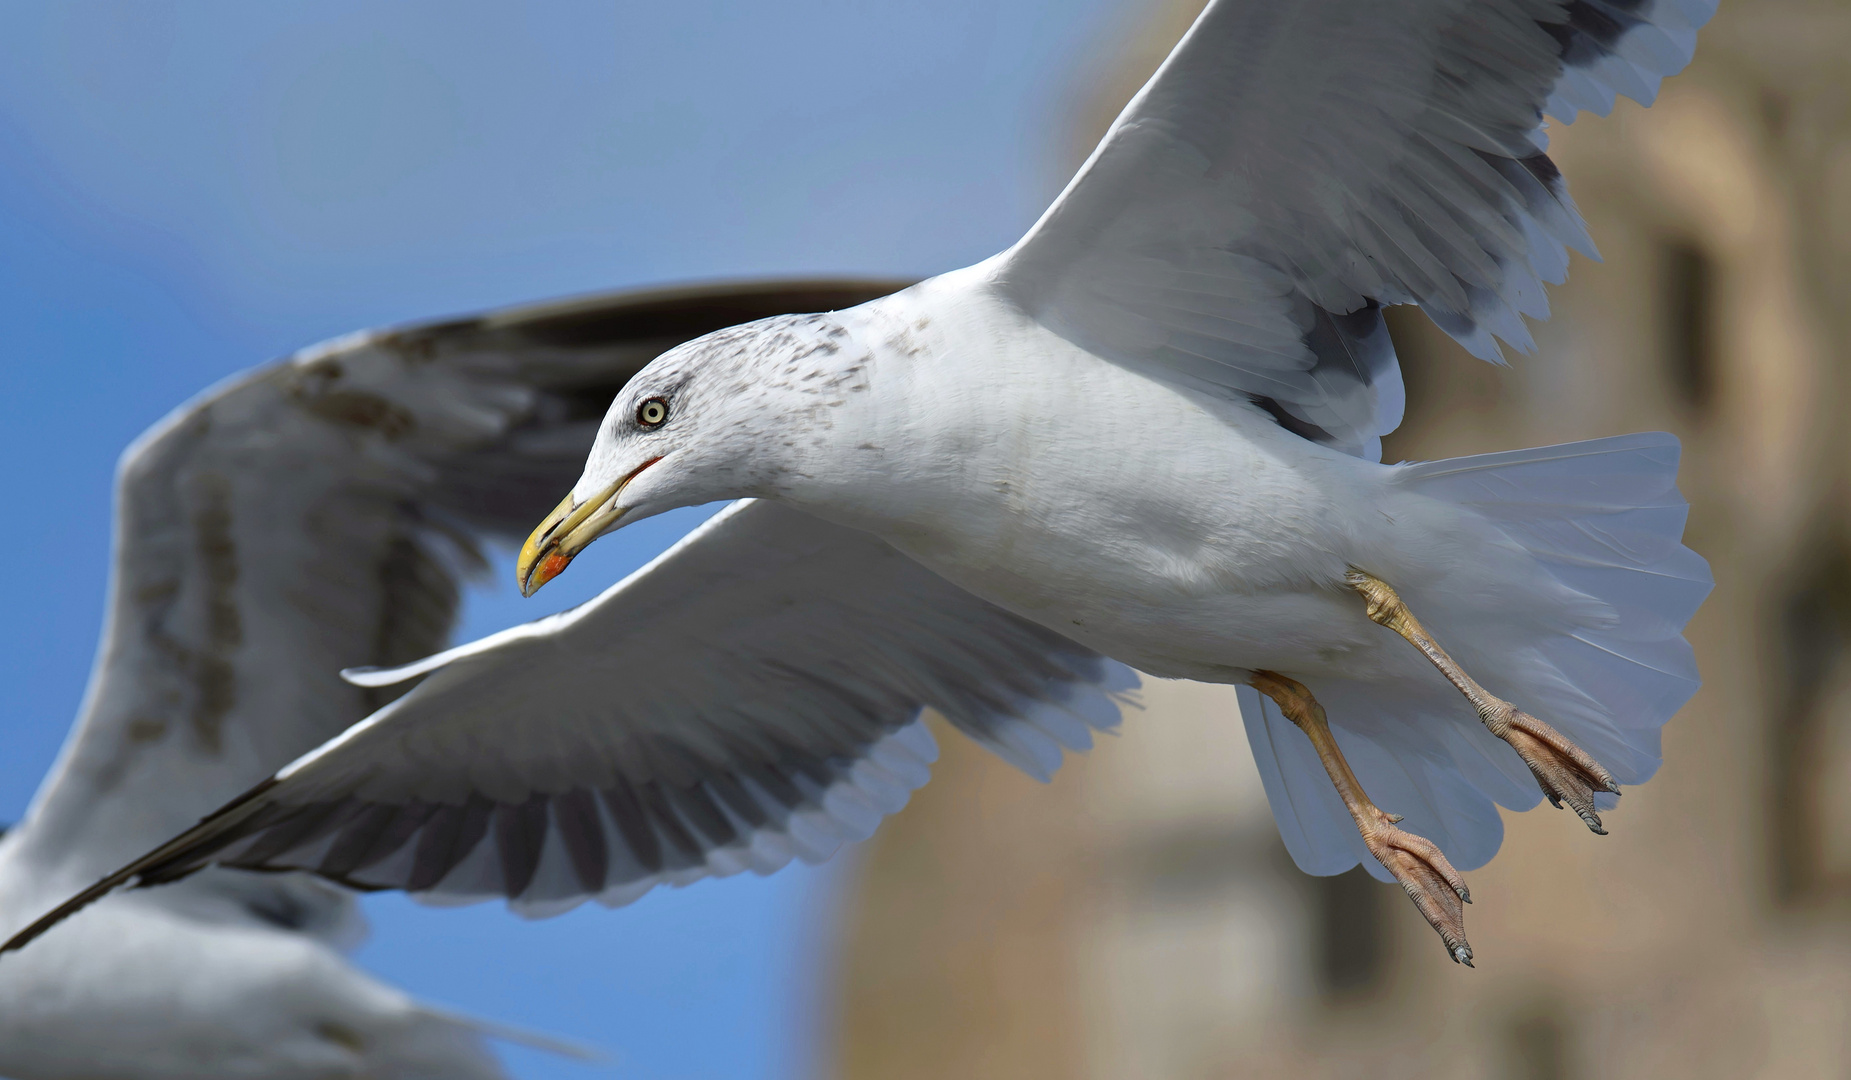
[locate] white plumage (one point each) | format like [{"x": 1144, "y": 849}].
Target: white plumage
[
  {"x": 1150, "y": 427},
  {"x": 297, "y": 519}
]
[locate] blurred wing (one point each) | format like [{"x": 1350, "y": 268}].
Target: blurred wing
[
  {"x": 1293, "y": 167},
  {"x": 751, "y": 696},
  {"x": 318, "y": 514}
]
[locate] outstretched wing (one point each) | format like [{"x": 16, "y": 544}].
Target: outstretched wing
[
  {"x": 319, "y": 514},
  {"x": 751, "y": 696},
  {"x": 1293, "y": 167}
]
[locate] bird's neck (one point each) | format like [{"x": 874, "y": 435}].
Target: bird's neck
[
  {"x": 871, "y": 446},
  {"x": 822, "y": 448}
]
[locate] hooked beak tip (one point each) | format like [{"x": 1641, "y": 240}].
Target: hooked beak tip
[
  {"x": 566, "y": 531},
  {"x": 537, "y": 574},
  {"x": 540, "y": 560}
]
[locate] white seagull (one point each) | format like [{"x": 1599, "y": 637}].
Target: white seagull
[
  {"x": 294, "y": 520},
  {"x": 1152, "y": 428}
]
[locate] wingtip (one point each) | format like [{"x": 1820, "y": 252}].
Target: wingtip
[
  {"x": 39, "y": 926},
  {"x": 157, "y": 867}
]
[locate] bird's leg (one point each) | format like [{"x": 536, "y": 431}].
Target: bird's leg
[
  {"x": 1435, "y": 887},
  {"x": 1564, "y": 770}
]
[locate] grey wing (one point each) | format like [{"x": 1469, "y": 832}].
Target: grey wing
[
  {"x": 320, "y": 514},
  {"x": 751, "y": 696},
  {"x": 1294, "y": 167}
]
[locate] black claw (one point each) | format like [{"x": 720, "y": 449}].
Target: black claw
[
  {"x": 1613, "y": 787},
  {"x": 1461, "y": 954},
  {"x": 1554, "y": 799}
]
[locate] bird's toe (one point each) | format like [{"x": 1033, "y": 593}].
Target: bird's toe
[
  {"x": 1430, "y": 881},
  {"x": 1565, "y": 772}
]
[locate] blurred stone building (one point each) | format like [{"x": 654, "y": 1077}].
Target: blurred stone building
[{"x": 1138, "y": 918}]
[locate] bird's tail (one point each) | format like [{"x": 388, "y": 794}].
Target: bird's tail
[{"x": 1586, "y": 634}]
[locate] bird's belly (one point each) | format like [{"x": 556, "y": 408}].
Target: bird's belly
[
  {"x": 1187, "y": 629},
  {"x": 1204, "y": 569}
]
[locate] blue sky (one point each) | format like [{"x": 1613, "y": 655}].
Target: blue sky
[{"x": 187, "y": 190}]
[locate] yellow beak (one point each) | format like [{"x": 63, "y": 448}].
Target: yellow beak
[{"x": 565, "y": 532}]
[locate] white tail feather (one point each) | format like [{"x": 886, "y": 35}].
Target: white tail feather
[{"x": 1602, "y": 518}]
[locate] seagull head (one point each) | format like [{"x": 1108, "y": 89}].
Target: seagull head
[{"x": 695, "y": 425}]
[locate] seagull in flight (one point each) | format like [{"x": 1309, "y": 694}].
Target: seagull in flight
[
  {"x": 1147, "y": 435},
  {"x": 303, "y": 517}
]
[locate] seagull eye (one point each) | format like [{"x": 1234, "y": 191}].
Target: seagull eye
[{"x": 652, "y": 413}]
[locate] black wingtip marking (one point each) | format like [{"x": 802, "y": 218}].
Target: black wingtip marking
[
  {"x": 1544, "y": 169},
  {"x": 65, "y": 910},
  {"x": 1591, "y": 28},
  {"x": 1535, "y": 179}
]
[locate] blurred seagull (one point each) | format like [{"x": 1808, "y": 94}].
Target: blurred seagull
[
  {"x": 1149, "y": 430},
  {"x": 296, "y": 519}
]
